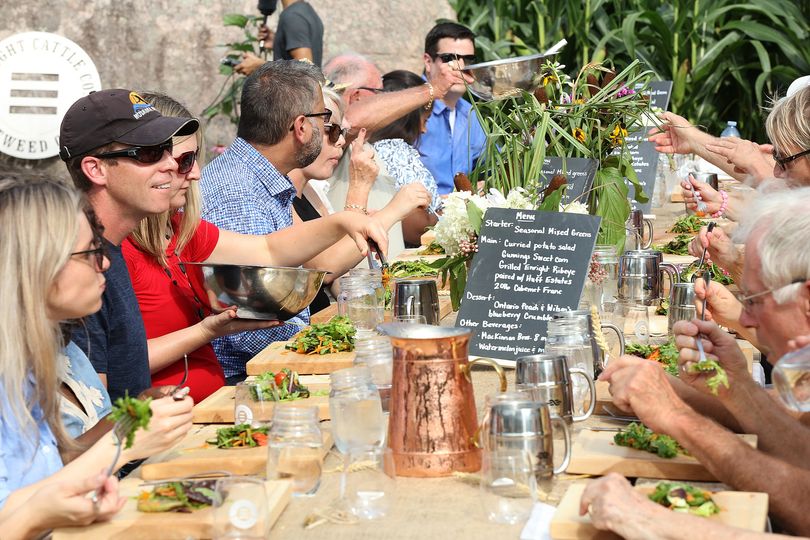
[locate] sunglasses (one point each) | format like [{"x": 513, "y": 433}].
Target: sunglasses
[
  {"x": 371, "y": 89},
  {"x": 98, "y": 252},
  {"x": 185, "y": 161},
  {"x": 451, "y": 57},
  {"x": 335, "y": 132},
  {"x": 782, "y": 161},
  {"x": 141, "y": 154}
]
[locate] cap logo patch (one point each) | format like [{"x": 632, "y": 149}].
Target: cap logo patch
[{"x": 140, "y": 107}]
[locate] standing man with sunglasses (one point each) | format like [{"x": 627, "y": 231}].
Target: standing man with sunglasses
[
  {"x": 454, "y": 139},
  {"x": 118, "y": 150}
]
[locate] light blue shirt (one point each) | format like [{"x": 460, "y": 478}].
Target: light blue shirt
[
  {"x": 243, "y": 192},
  {"x": 446, "y": 152},
  {"x": 405, "y": 167},
  {"x": 79, "y": 375},
  {"x": 25, "y": 458}
]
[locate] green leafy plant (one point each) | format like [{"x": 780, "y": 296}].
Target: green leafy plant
[{"x": 724, "y": 57}]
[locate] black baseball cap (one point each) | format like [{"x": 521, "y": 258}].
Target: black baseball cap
[{"x": 116, "y": 115}]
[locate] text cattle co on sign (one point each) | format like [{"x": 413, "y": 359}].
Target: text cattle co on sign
[{"x": 41, "y": 75}]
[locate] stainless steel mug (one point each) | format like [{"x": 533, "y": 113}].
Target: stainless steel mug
[
  {"x": 548, "y": 378},
  {"x": 635, "y": 226},
  {"x": 527, "y": 425},
  {"x": 641, "y": 276},
  {"x": 599, "y": 356},
  {"x": 709, "y": 178},
  {"x": 681, "y": 304},
  {"x": 417, "y": 297}
]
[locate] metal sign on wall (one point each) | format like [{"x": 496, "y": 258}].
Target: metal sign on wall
[{"x": 41, "y": 75}]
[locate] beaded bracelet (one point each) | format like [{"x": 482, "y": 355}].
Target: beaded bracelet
[
  {"x": 429, "y": 106},
  {"x": 723, "y": 205},
  {"x": 356, "y": 207}
]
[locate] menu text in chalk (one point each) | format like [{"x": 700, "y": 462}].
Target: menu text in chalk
[
  {"x": 530, "y": 264},
  {"x": 578, "y": 172}
]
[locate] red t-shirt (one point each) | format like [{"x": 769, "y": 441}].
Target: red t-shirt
[{"x": 167, "y": 303}]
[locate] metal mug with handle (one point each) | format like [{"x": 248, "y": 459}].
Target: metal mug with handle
[
  {"x": 527, "y": 425},
  {"x": 549, "y": 380},
  {"x": 636, "y": 224},
  {"x": 681, "y": 304},
  {"x": 416, "y": 297},
  {"x": 640, "y": 276}
]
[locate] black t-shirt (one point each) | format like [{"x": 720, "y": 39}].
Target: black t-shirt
[
  {"x": 299, "y": 27},
  {"x": 117, "y": 344},
  {"x": 307, "y": 212}
]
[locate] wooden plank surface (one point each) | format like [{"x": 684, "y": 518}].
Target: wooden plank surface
[
  {"x": 193, "y": 456},
  {"x": 129, "y": 524},
  {"x": 745, "y": 510},
  {"x": 594, "y": 452},
  {"x": 274, "y": 357},
  {"x": 218, "y": 408},
  {"x": 445, "y": 308}
]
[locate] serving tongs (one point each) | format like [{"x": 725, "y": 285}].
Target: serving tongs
[{"x": 372, "y": 264}]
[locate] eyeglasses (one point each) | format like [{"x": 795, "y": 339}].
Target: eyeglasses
[
  {"x": 748, "y": 300},
  {"x": 326, "y": 115},
  {"x": 142, "y": 154},
  {"x": 784, "y": 161},
  {"x": 450, "y": 57},
  {"x": 185, "y": 161},
  {"x": 370, "y": 89},
  {"x": 99, "y": 252},
  {"x": 334, "y": 132}
]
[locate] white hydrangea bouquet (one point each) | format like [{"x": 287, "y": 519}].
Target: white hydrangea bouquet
[{"x": 460, "y": 224}]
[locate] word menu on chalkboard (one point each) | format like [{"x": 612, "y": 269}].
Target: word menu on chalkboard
[
  {"x": 579, "y": 173},
  {"x": 645, "y": 158},
  {"x": 530, "y": 264}
]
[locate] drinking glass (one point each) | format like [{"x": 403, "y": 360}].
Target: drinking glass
[
  {"x": 508, "y": 485},
  {"x": 356, "y": 410},
  {"x": 791, "y": 377},
  {"x": 254, "y": 402},
  {"x": 240, "y": 510},
  {"x": 368, "y": 482},
  {"x": 411, "y": 319},
  {"x": 636, "y": 325},
  {"x": 294, "y": 448}
]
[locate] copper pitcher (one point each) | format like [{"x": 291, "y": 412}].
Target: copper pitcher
[{"x": 433, "y": 421}]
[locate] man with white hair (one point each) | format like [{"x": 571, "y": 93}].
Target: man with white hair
[{"x": 777, "y": 302}]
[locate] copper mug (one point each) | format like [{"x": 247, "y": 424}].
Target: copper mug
[{"x": 433, "y": 425}]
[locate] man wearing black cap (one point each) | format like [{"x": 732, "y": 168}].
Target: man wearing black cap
[{"x": 118, "y": 150}]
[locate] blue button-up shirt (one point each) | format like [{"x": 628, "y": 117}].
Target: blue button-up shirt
[
  {"x": 26, "y": 457},
  {"x": 243, "y": 192},
  {"x": 445, "y": 152}
]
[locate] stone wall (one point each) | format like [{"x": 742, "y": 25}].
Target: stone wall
[{"x": 174, "y": 46}]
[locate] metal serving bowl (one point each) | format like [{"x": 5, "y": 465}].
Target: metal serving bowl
[
  {"x": 500, "y": 79},
  {"x": 261, "y": 292}
]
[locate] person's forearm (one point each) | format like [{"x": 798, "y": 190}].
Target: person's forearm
[
  {"x": 779, "y": 434},
  {"x": 168, "y": 349},
  {"x": 22, "y": 523},
  {"x": 734, "y": 462},
  {"x": 294, "y": 246},
  {"x": 357, "y": 196},
  {"x": 375, "y": 112}
]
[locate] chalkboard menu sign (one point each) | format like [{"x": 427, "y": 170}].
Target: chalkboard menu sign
[
  {"x": 645, "y": 158},
  {"x": 579, "y": 173},
  {"x": 530, "y": 264}
]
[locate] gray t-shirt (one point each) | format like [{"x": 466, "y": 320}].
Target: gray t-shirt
[{"x": 299, "y": 27}]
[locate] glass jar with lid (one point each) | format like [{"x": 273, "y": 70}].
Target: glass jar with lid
[
  {"x": 359, "y": 300},
  {"x": 605, "y": 271},
  {"x": 374, "y": 277},
  {"x": 356, "y": 409},
  {"x": 294, "y": 446},
  {"x": 570, "y": 337},
  {"x": 377, "y": 353}
]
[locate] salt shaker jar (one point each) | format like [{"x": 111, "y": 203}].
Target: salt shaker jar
[
  {"x": 356, "y": 409},
  {"x": 359, "y": 301},
  {"x": 570, "y": 338},
  {"x": 294, "y": 445},
  {"x": 377, "y": 354}
]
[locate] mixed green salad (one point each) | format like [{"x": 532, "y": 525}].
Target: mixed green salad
[
  {"x": 641, "y": 437},
  {"x": 184, "y": 497},
  {"x": 688, "y": 224},
  {"x": 334, "y": 336},
  {"x": 138, "y": 410},
  {"x": 665, "y": 354},
  {"x": 680, "y": 497},
  {"x": 240, "y": 436}
]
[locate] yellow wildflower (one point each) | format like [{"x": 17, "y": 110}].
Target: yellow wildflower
[
  {"x": 618, "y": 135},
  {"x": 550, "y": 78},
  {"x": 579, "y": 134}
]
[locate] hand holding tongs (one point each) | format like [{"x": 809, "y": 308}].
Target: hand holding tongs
[{"x": 372, "y": 246}]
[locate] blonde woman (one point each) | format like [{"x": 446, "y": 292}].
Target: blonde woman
[{"x": 52, "y": 261}]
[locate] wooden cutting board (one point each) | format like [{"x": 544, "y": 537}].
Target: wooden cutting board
[
  {"x": 274, "y": 357},
  {"x": 193, "y": 456},
  {"x": 745, "y": 510},
  {"x": 129, "y": 524},
  {"x": 218, "y": 408},
  {"x": 594, "y": 452}
]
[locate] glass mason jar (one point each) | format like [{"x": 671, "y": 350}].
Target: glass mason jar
[
  {"x": 356, "y": 409},
  {"x": 570, "y": 338},
  {"x": 294, "y": 445},
  {"x": 374, "y": 277},
  {"x": 359, "y": 300},
  {"x": 607, "y": 272},
  {"x": 377, "y": 353}
]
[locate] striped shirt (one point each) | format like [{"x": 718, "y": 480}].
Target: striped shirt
[{"x": 243, "y": 192}]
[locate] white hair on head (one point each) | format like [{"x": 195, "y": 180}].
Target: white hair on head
[
  {"x": 782, "y": 221},
  {"x": 348, "y": 68}
]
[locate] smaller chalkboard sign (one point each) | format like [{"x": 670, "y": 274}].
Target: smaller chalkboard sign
[
  {"x": 530, "y": 264},
  {"x": 579, "y": 173}
]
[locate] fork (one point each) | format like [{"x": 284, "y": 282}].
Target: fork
[
  {"x": 707, "y": 277},
  {"x": 174, "y": 393},
  {"x": 120, "y": 430}
]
